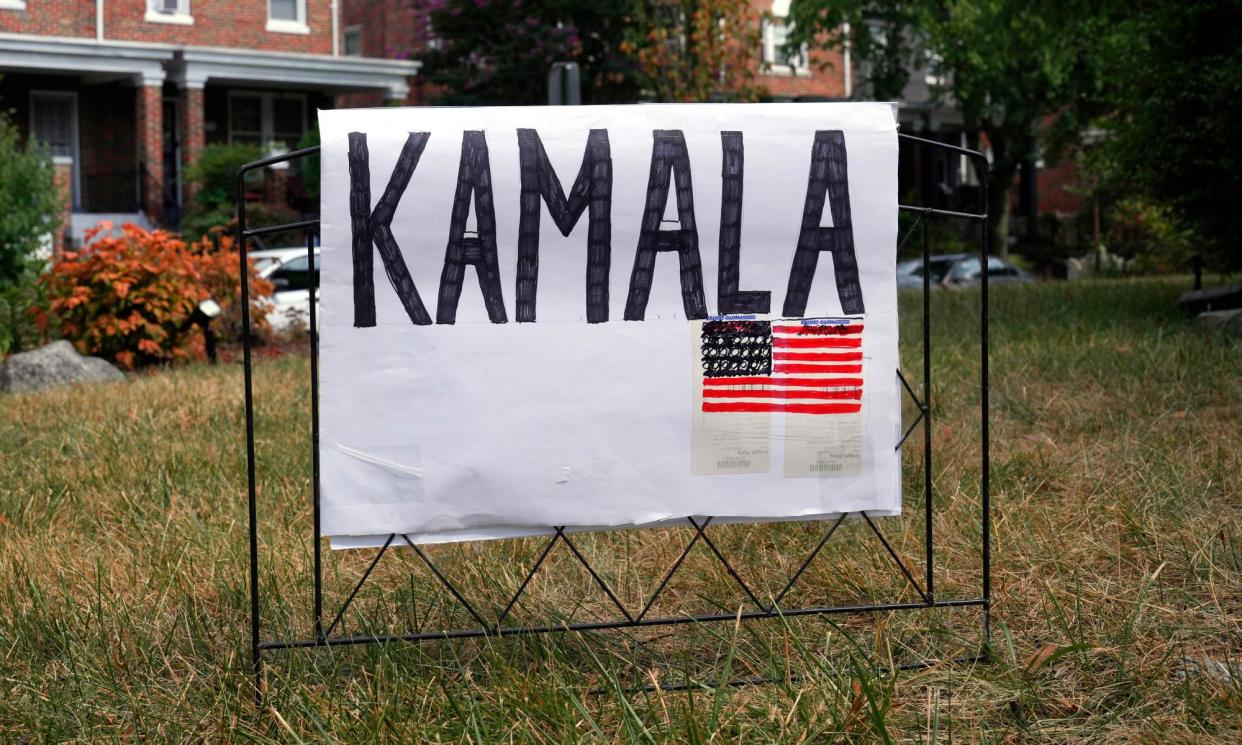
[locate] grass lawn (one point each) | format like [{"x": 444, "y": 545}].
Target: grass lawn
[{"x": 1117, "y": 493}]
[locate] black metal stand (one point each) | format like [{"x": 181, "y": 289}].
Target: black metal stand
[{"x": 323, "y": 636}]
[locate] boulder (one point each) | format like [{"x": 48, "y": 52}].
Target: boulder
[
  {"x": 1216, "y": 321},
  {"x": 54, "y": 365}
]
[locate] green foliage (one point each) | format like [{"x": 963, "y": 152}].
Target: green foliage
[
  {"x": 1170, "y": 109},
  {"x": 696, "y": 50},
  {"x": 214, "y": 176},
  {"x": 19, "y": 301},
  {"x": 498, "y": 52},
  {"x": 310, "y": 164},
  {"x": 30, "y": 206},
  {"x": 1008, "y": 66},
  {"x": 1153, "y": 234},
  {"x": 129, "y": 299}
]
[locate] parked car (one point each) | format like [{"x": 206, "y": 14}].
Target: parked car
[
  {"x": 959, "y": 270},
  {"x": 292, "y": 275},
  {"x": 265, "y": 259}
]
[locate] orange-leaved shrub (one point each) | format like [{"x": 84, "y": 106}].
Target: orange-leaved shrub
[{"x": 129, "y": 298}]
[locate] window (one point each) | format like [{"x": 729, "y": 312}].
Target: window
[
  {"x": 51, "y": 122},
  {"x": 295, "y": 274},
  {"x": 352, "y": 41},
  {"x": 776, "y": 58},
  {"x": 169, "y": 11},
  {"x": 998, "y": 268},
  {"x": 54, "y": 124},
  {"x": 269, "y": 119},
  {"x": 287, "y": 16}
]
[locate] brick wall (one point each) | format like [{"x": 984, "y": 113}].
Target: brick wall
[
  {"x": 149, "y": 111},
  {"x": 217, "y": 23},
  {"x": 193, "y": 136},
  {"x": 51, "y": 18},
  {"x": 826, "y": 81},
  {"x": 391, "y": 29},
  {"x": 221, "y": 23}
]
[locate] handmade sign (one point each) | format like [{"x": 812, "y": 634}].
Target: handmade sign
[{"x": 606, "y": 316}]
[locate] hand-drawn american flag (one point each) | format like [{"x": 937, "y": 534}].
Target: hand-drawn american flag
[{"x": 800, "y": 366}]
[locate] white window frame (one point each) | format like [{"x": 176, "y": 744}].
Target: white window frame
[
  {"x": 770, "y": 65},
  {"x": 282, "y": 26},
  {"x": 267, "y": 124},
  {"x": 157, "y": 14},
  {"x": 345, "y": 33},
  {"x": 75, "y": 156},
  {"x": 12, "y": 4}
]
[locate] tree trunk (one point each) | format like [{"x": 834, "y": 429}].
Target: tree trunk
[
  {"x": 1004, "y": 170},
  {"x": 999, "y": 209}
]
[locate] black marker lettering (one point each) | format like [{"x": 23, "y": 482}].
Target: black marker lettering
[
  {"x": 729, "y": 299},
  {"x": 668, "y": 155},
  {"x": 592, "y": 187},
  {"x": 474, "y": 181},
  {"x": 374, "y": 228},
  {"x": 829, "y": 177}
]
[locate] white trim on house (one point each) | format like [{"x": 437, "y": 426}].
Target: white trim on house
[
  {"x": 286, "y": 27},
  {"x": 159, "y": 12},
  {"x": 320, "y": 71},
  {"x": 82, "y": 57},
  {"x": 12, "y": 4},
  {"x": 149, "y": 63},
  {"x": 179, "y": 19},
  {"x": 296, "y": 25},
  {"x": 336, "y": 25}
]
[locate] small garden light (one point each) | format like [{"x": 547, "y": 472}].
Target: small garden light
[{"x": 206, "y": 312}]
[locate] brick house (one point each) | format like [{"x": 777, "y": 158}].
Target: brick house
[{"x": 126, "y": 93}]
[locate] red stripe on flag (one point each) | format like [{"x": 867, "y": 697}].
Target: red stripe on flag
[
  {"x": 836, "y": 369},
  {"x": 710, "y": 407},
  {"x": 818, "y": 356},
  {"x": 851, "y": 393},
  {"x": 816, "y": 341},
  {"x": 825, "y": 330},
  {"x": 800, "y": 382}
]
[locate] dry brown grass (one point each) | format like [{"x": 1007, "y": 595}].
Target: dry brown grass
[{"x": 1117, "y": 477}]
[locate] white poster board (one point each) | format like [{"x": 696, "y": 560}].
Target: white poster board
[{"x": 605, "y": 316}]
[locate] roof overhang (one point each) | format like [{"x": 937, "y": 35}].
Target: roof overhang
[
  {"x": 150, "y": 64},
  {"x": 80, "y": 57},
  {"x": 195, "y": 66}
]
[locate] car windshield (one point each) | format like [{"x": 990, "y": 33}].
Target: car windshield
[
  {"x": 939, "y": 268},
  {"x": 294, "y": 274},
  {"x": 966, "y": 269},
  {"x": 264, "y": 262}
]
